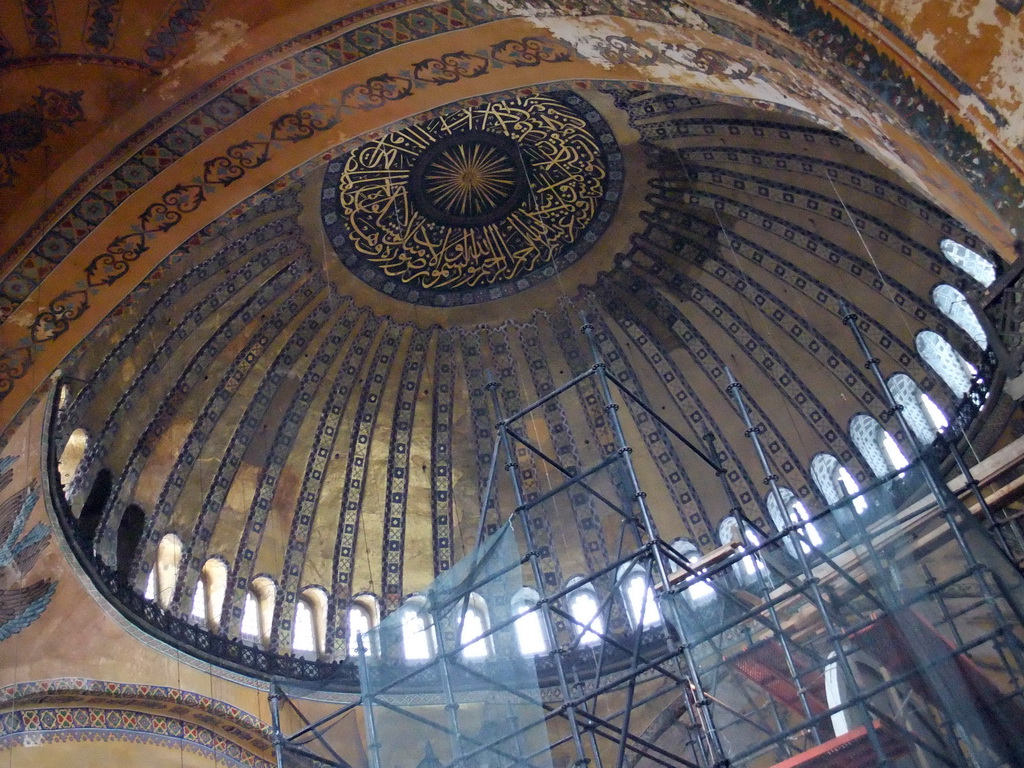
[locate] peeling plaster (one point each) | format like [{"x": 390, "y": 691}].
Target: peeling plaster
[
  {"x": 977, "y": 13},
  {"x": 212, "y": 46},
  {"x": 1005, "y": 82}
]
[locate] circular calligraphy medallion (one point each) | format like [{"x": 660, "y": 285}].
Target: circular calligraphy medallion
[{"x": 475, "y": 204}]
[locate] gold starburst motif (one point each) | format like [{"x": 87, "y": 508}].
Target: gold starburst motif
[{"x": 470, "y": 179}]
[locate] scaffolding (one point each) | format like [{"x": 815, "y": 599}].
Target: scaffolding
[{"x": 885, "y": 630}]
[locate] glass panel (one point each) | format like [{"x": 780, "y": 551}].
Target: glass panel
[
  {"x": 896, "y": 458},
  {"x": 935, "y": 414},
  {"x": 974, "y": 264},
  {"x": 852, "y": 489},
  {"x": 415, "y": 634},
  {"x": 198, "y": 612},
  {"x": 641, "y": 600},
  {"x": 946, "y": 362},
  {"x": 471, "y": 636},
  {"x": 585, "y": 610},
  {"x": 150, "y": 593},
  {"x": 865, "y": 433},
  {"x": 302, "y": 632},
  {"x": 954, "y": 305},
  {"x": 250, "y": 617},
  {"x": 530, "y": 631},
  {"x": 358, "y": 624},
  {"x": 464, "y": 709}
]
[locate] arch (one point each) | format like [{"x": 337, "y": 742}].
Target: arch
[
  {"x": 905, "y": 392},
  {"x": 585, "y": 609},
  {"x": 168, "y": 558},
  {"x": 638, "y": 596},
  {"x": 954, "y": 305},
  {"x": 876, "y": 445},
  {"x": 418, "y": 640},
  {"x": 529, "y": 627},
  {"x": 363, "y": 616},
  {"x": 71, "y": 460},
  {"x": 222, "y": 731},
  {"x": 309, "y": 630},
  {"x": 129, "y": 534},
  {"x": 795, "y": 512},
  {"x": 971, "y": 262},
  {"x": 91, "y": 516},
  {"x": 746, "y": 569},
  {"x": 949, "y": 364}
]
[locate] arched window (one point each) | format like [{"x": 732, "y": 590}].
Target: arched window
[
  {"x": 876, "y": 445},
  {"x": 417, "y": 630},
  {"x": 906, "y": 393},
  {"x": 946, "y": 362},
  {"x": 529, "y": 628},
  {"x": 638, "y": 596},
  {"x": 795, "y": 512},
  {"x": 309, "y": 630},
  {"x": 974, "y": 264},
  {"x": 168, "y": 558},
  {"x": 746, "y": 569},
  {"x": 955, "y": 306},
  {"x": 362, "y": 617},
  {"x": 584, "y": 607},
  {"x": 835, "y": 481},
  {"x": 71, "y": 458},
  {"x": 698, "y": 591},
  {"x": 473, "y": 626},
  {"x": 258, "y": 611}
]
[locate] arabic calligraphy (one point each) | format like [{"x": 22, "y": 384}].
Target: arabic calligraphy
[{"x": 471, "y": 199}]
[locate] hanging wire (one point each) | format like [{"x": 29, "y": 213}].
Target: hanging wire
[
  {"x": 745, "y": 306},
  {"x": 886, "y": 287}
]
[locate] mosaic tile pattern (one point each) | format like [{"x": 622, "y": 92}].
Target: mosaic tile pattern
[
  {"x": 441, "y": 451},
  {"x": 399, "y": 468},
  {"x": 158, "y": 522},
  {"x": 356, "y": 471},
  {"x": 325, "y": 439},
  {"x": 89, "y": 724},
  {"x": 281, "y": 446},
  {"x": 245, "y": 433}
]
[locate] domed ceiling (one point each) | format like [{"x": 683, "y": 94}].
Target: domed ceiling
[{"x": 301, "y": 389}]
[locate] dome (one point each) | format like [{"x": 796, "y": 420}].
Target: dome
[{"x": 298, "y": 396}]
